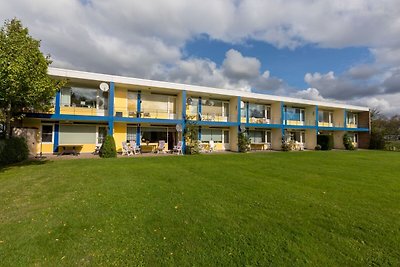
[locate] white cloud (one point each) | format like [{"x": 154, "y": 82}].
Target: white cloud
[
  {"x": 239, "y": 67},
  {"x": 310, "y": 93}
]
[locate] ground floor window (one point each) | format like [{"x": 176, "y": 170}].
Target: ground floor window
[
  {"x": 211, "y": 134},
  {"x": 131, "y": 133},
  {"x": 297, "y": 136},
  {"x": 256, "y": 137},
  {"x": 77, "y": 134},
  {"x": 226, "y": 136},
  {"x": 259, "y": 136},
  {"x": 47, "y": 133},
  {"x": 353, "y": 137},
  {"x": 153, "y": 134}
]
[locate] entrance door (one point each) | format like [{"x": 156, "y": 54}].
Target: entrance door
[
  {"x": 226, "y": 139},
  {"x": 171, "y": 139}
]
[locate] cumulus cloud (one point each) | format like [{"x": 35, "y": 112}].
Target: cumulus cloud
[
  {"x": 310, "y": 93},
  {"x": 237, "y": 72},
  {"x": 239, "y": 67},
  {"x": 341, "y": 87}
]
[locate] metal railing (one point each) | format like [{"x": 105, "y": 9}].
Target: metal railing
[
  {"x": 300, "y": 123},
  {"x": 146, "y": 113}
]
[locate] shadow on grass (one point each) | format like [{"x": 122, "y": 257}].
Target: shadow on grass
[{"x": 28, "y": 162}]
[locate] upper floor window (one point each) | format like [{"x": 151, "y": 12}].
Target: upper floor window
[
  {"x": 157, "y": 105},
  {"x": 132, "y": 101},
  {"x": 325, "y": 116},
  {"x": 352, "y": 118},
  {"x": 215, "y": 107},
  {"x": 295, "y": 114},
  {"x": 259, "y": 111},
  {"x": 84, "y": 97}
]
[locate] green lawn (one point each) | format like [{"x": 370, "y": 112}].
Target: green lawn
[{"x": 332, "y": 208}]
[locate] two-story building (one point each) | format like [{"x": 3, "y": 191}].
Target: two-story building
[{"x": 93, "y": 105}]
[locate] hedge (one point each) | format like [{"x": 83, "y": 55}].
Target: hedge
[{"x": 13, "y": 150}]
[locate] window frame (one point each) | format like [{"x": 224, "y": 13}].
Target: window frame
[{"x": 52, "y": 133}]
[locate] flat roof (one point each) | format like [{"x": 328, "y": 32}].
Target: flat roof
[{"x": 67, "y": 73}]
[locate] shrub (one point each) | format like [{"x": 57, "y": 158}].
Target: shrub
[
  {"x": 347, "y": 142},
  {"x": 317, "y": 147},
  {"x": 13, "y": 150},
  {"x": 243, "y": 142},
  {"x": 325, "y": 141},
  {"x": 377, "y": 141},
  {"x": 194, "y": 147},
  {"x": 108, "y": 149},
  {"x": 288, "y": 146},
  {"x": 392, "y": 146}
]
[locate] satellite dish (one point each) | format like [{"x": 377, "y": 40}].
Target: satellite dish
[
  {"x": 241, "y": 104},
  {"x": 178, "y": 128},
  {"x": 242, "y": 128},
  {"x": 104, "y": 87}
]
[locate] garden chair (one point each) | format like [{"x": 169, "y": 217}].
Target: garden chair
[
  {"x": 126, "y": 150},
  {"x": 211, "y": 145},
  {"x": 178, "y": 148},
  {"x": 161, "y": 146},
  {"x": 301, "y": 146},
  {"x": 135, "y": 148}
]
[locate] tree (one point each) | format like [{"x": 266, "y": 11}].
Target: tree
[
  {"x": 108, "y": 149},
  {"x": 243, "y": 142},
  {"x": 24, "y": 83},
  {"x": 192, "y": 136}
]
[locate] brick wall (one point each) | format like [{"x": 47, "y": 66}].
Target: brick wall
[{"x": 363, "y": 139}]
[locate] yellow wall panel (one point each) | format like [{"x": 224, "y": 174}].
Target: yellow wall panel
[
  {"x": 119, "y": 135},
  {"x": 81, "y": 111},
  {"x": 120, "y": 101}
]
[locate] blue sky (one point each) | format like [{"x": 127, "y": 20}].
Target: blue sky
[
  {"x": 289, "y": 64},
  {"x": 344, "y": 51}
]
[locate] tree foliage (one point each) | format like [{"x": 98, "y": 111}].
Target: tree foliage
[
  {"x": 348, "y": 142},
  {"x": 24, "y": 83},
  {"x": 243, "y": 142},
  {"x": 382, "y": 127},
  {"x": 192, "y": 136},
  {"x": 108, "y": 148}
]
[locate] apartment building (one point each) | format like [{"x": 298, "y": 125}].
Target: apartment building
[{"x": 92, "y": 105}]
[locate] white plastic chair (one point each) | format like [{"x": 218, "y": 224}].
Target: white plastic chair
[
  {"x": 161, "y": 145},
  {"x": 126, "y": 150},
  {"x": 211, "y": 145},
  {"x": 134, "y": 147},
  {"x": 178, "y": 148}
]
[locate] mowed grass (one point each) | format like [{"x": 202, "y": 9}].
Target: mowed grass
[{"x": 332, "y": 208}]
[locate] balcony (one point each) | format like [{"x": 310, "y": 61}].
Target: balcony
[
  {"x": 146, "y": 113},
  {"x": 83, "y": 111},
  {"x": 271, "y": 120},
  {"x": 207, "y": 110},
  {"x": 305, "y": 122},
  {"x": 213, "y": 117}
]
